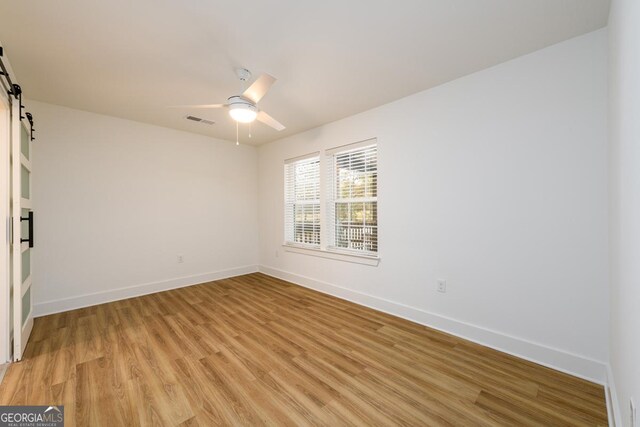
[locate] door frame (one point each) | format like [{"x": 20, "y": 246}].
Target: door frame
[{"x": 5, "y": 229}]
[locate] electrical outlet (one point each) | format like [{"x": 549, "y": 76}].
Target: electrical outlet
[
  {"x": 442, "y": 286},
  {"x": 633, "y": 415},
  {"x": 180, "y": 259}
]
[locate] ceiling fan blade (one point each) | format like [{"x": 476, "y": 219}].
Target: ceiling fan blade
[
  {"x": 200, "y": 106},
  {"x": 259, "y": 88},
  {"x": 269, "y": 121}
]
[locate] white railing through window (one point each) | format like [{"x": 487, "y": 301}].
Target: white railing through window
[{"x": 353, "y": 199}]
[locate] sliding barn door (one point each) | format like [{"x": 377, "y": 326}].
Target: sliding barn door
[
  {"x": 6, "y": 313},
  {"x": 22, "y": 231}
]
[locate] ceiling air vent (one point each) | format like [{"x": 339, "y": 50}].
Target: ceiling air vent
[{"x": 200, "y": 120}]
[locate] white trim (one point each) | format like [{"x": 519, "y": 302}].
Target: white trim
[
  {"x": 26, "y": 285},
  {"x": 25, "y": 162},
  {"x": 353, "y": 252},
  {"x": 25, "y": 204},
  {"x": 19, "y": 343},
  {"x": 302, "y": 174},
  {"x": 340, "y": 256},
  {"x": 560, "y": 360},
  {"x": 26, "y": 330},
  {"x": 5, "y": 231},
  {"x": 334, "y": 181},
  {"x": 303, "y": 157},
  {"x": 80, "y": 301},
  {"x": 611, "y": 396},
  {"x": 350, "y": 147}
]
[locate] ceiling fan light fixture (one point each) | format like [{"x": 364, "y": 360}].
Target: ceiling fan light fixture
[{"x": 243, "y": 113}]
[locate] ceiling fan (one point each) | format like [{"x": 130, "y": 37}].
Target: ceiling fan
[{"x": 244, "y": 108}]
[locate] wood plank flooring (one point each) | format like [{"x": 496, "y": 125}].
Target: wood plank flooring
[{"x": 254, "y": 350}]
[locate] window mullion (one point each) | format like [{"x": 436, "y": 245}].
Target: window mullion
[{"x": 323, "y": 208}]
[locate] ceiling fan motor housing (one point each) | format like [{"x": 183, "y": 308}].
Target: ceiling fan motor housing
[{"x": 241, "y": 101}]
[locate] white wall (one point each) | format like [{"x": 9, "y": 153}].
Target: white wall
[
  {"x": 624, "y": 33},
  {"x": 116, "y": 201},
  {"x": 495, "y": 182}
]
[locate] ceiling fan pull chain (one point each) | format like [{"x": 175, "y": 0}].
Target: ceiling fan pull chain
[
  {"x": 237, "y": 140},
  {"x": 249, "y": 130}
]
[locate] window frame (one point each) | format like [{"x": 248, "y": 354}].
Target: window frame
[
  {"x": 332, "y": 199},
  {"x": 326, "y": 181},
  {"x": 291, "y": 202}
]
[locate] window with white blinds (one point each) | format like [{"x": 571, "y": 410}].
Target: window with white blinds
[
  {"x": 302, "y": 202},
  {"x": 353, "y": 199}
]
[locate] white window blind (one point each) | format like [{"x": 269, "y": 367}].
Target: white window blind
[
  {"x": 302, "y": 202},
  {"x": 353, "y": 200}
]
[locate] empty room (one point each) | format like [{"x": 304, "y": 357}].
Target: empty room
[{"x": 334, "y": 213}]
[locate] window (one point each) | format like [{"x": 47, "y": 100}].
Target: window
[
  {"x": 346, "y": 227},
  {"x": 302, "y": 201},
  {"x": 353, "y": 199}
]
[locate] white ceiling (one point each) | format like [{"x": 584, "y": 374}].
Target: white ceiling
[{"x": 332, "y": 58}]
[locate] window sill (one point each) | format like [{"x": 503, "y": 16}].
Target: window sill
[{"x": 371, "y": 260}]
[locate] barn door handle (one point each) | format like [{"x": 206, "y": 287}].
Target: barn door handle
[{"x": 30, "y": 219}]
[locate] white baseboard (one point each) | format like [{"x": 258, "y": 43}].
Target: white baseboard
[
  {"x": 613, "y": 405},
  {"x": 554, "y": 358},
  {"x": 80, "y": 301},
  {"x": 560, "y": 360}
]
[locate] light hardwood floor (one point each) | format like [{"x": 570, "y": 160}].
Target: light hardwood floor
[{"x": 254, "y": 350}]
